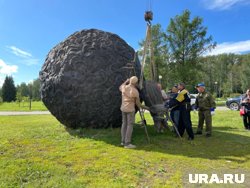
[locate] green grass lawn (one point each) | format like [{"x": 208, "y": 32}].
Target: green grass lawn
[
  {"x": 23, "y": 106},
  {"x": 37, "y": 151}
]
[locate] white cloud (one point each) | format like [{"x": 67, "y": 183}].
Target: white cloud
[
  {"x": 30, "y": 61},
  {"x": 26, "y": 57},
  {"x": 20, "y": 53},
  {"x": 223, "y": 4},
  {"x": 231, "y": 47},
  {"x": 6, "y": 70}
]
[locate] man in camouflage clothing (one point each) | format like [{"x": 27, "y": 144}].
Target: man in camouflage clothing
[{"x": 205, "y": 104}]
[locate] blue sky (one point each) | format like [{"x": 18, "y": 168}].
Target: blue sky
[{"x": 30, "y": 28}]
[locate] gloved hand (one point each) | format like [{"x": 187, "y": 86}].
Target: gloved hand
[{"x": 212, "y": 110}]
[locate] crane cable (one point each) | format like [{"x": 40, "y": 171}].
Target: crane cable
[
  {"x": 149, "y": 5},
  {"x": 148, "y": 50}
]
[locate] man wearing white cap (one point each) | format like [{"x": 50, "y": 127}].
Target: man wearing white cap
[
  {"x": 205, "y": 104},
  {"x": 130, "y": 98}
]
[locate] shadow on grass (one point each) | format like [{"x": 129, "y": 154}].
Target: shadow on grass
[{"x": 226, "y": 143}]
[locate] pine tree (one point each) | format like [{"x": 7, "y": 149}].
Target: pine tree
[{"x": 8, "y": 90}]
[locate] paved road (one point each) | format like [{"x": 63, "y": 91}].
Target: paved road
[{"x": 15, "y": 113}]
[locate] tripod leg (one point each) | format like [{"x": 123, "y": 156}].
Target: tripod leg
[
  {"x": 144, "y": 124},
  {"x": 146, "y": 131},
  {"x": 176, "y": 129}
]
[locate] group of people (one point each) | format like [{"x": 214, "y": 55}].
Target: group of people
[
  {"x": 180, "y": 112},
  {"x": 180, "y": 106}
]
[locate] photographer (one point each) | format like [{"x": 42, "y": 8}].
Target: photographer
[
  {"x": 130, "y": 98},
  {"x": 245, "y": 103}
]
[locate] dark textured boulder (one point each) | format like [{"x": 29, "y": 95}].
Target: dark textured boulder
[{"x": 81, "y": 76}]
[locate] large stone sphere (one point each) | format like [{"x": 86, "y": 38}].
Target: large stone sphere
[{"x": 81, "y": 76}]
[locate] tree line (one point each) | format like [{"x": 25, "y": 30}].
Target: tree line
[
  {"x": 23, "y": 92},
  {"x": 180, "y": 56}
]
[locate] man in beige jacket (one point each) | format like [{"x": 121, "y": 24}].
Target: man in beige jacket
[{"x": 130, "y": 98}]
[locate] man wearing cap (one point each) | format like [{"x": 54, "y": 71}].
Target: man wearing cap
[
  {"x": 130, "y": 98},
  {"x": 205, "y": 104},
  {"x": 183, "y": 102}
]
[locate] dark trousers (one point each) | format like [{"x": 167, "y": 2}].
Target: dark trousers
[
  {"x": 246, "y": 120},
  {"x": 175, "y": 116},
  {"x": 185, "y": 123}
]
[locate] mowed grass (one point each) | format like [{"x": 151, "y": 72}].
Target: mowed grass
[
  {"x": 23, "y": 106},
  {"x": 37, "y": 151}
]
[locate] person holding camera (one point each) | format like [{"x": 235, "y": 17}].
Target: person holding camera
[
  {"x": 130, "y": 98},
  {"x": 206, "y": 105},
  {"x": 245, "y": 103}
]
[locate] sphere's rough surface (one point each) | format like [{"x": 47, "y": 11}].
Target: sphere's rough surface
[{"x": 81, "y": 76}]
